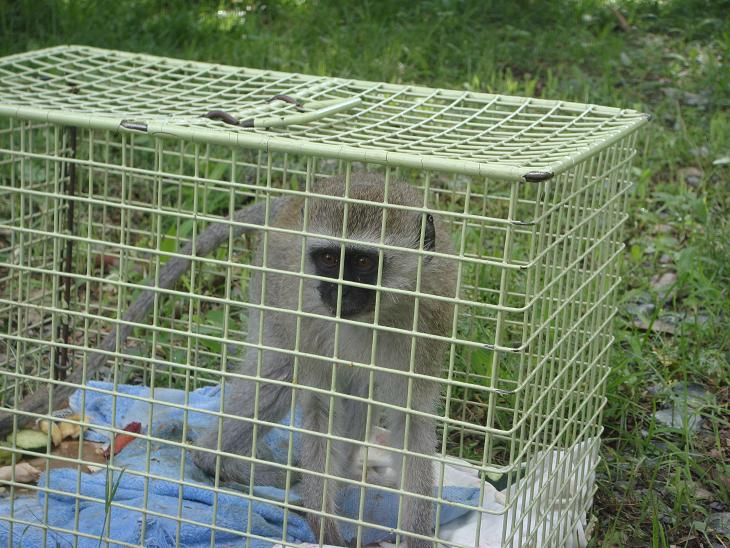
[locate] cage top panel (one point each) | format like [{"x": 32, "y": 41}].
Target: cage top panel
[{"x": 499, "y": 136}]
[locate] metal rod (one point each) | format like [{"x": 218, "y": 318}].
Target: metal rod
[{"x": 63, "y": 361}]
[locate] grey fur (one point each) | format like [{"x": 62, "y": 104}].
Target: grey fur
[{"x": 317, "y": 338}]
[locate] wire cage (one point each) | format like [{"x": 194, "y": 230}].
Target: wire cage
[{"x": 110, "y": 163}]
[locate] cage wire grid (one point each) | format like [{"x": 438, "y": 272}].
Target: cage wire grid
[{"x": 108, "y": 167}]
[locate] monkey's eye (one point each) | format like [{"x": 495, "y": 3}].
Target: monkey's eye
[
  {"x": 364, "y": 263},
  {"x": 328, "y": 260}
]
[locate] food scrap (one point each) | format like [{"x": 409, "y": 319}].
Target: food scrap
[
  {"x": 122, "y": 440},
  {"x": 62, "y": 430},
  {"x": 28, "y": 440},
  {"x": 24, "y": 473}
]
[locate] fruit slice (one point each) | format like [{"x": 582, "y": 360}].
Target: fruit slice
[{"x": 30, "y": 440}]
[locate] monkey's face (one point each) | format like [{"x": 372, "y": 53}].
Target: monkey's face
[{"x": 360, "y": 265}]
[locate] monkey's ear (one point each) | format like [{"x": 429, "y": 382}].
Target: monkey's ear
[{"x": 429, "y": 237}]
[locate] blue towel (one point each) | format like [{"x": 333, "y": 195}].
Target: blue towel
[{"x": 163, "y": 497}]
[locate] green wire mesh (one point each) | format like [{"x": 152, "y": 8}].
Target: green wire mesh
[
  {"x": 474, "y": 133},
  {"x": 108, "y": 166}
]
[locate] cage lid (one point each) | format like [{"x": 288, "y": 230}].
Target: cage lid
[{"x": 505, "y": 137}]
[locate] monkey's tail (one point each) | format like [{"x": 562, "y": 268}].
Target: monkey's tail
[{"x": 43, "y": 400}]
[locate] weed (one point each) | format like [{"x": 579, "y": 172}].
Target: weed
[{"x": 657, "y": 484}]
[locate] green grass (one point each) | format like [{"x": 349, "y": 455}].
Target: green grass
[{"x": 657, "y": 485}]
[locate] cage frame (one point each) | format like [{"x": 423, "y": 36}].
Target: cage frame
[{"x": 514, "y": 177}]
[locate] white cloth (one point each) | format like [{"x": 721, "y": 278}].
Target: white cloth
[{"x": 557, "y": 474}]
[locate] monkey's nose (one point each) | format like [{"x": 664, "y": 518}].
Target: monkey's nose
[{"x": 356, "y": 300}]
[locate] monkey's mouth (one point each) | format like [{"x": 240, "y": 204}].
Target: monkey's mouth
[
  {"x": 355, "y": 301},
  {"x": 350, "y": 312}
]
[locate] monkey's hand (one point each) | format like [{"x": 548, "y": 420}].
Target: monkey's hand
[{"x": 236, "y": 469}]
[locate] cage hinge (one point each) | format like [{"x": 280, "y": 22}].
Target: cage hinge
[
  {"x": 137, "y": 126},
  {"x": 222, "y": 116},
  {"x": 537, "y": 176}
]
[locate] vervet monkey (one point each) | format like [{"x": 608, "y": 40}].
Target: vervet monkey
[
  {"x": 394, "y": 355},
  {"x": 394, "y": 351}
]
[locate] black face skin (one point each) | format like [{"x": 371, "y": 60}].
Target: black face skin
[{"x": 360, "y": 266}]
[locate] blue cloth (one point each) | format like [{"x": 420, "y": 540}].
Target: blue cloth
[{"x": 163, "y": 497}]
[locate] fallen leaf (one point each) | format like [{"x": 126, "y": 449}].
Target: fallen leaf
[
  {"x": 691, "y": 171},
  {"x": 658, "y": 326},
  {"x": 701, "y": 151},
  {"x": 676, "y": 416},
  {"x": 671, "y": 322},
  {"x": 640, "y": 309},
  {"x": 695, "y": 99},
  {"x": 722, "y": 161},
  {"x": 672, "y": 93},
  {"x": 691, "y": 175},
  {"x": 694, "y": 394},
  {"x": 662, "y": 229},
  {"x": 703, "y": 494},
  {"x": 720, "y": 523},
  {"x": 663, "y": 281}
]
